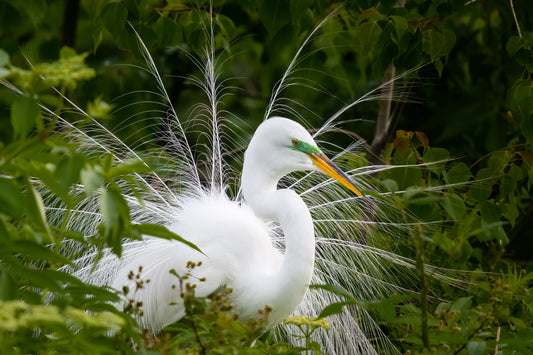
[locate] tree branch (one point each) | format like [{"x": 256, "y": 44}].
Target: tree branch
[{"x": 70, "y": 22}]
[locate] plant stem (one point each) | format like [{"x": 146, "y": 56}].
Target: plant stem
[
  {"x": 515, "y": 19},
  {"x": 425, "y": 287}
]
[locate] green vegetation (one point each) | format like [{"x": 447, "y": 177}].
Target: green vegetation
[{"x": 472, "y": 131}]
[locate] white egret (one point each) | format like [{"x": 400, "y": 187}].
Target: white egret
[
  {"x": 235, "y": 231},
  {"x": 236, "y": 238}
]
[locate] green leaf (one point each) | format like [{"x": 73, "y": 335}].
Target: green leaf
[
  {"x": 39, "y": 252},
  {"x": 298, "y": 8},
  {"x": 4, "y": 58},
  {"x": 159, "y": 231},
  {"x": 490, "y": 211},
  {"x": 67, "y": 52},
  {"x": 114, "y": 17},
  {"x": 511, "y": 213},
  {"x": 35, "y": 211},
  {"x": 404, "y": 176},
  {"x": 437, "y": 43},
  {"x": 116, "y": 217},
  {"x": 68, "y": 170},
  {"x": 436, "y": 155},
  {"x": 168, "y": 32},
  {"x": 24, "y": 114},
  {"x": 11, "y": 197},
  {"x": 129, "y": 166},
  {"x": 479, "y": 191},
  {"x": 476, "y": 347},
  {"x": 39, "y": 278},
  {"x": 274, "y": 15},
  {"x": 5, "y": 236},
  {"x": 49, "y": 179},
  {"x": 439, "y": 66},
  {"x": 334, "y": 308},
  {"x": 336, "y": 289},
  {"x": 369, "y": 33},
  {"x": 507, "y": 186},
  {"x": 462, "y": 304},
  {"x": 400, "y": 26},
  {"x": 91, "y": 178},
  {"x": 8, "y": 286},
  {"x": 514, "y": 44},
  {"x": 226, "y": 26},
  {"x": 459, "y": 173},
  {"x": 454, "y": 206},
  {"x": 390, "y": 185}
]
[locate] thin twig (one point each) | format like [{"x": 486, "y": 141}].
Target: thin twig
[
  {"x": 497, "y": 341},
  {"x": 383, "y": 114},
  {"x": 515, "y": 19}
]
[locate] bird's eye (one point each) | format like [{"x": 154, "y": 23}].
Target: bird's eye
[{"x": 294, "y": 142}]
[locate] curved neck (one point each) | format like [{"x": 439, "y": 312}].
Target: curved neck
[{"x": 288, "y": 209}]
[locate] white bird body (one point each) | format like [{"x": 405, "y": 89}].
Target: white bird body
[
  {"x": 236, "y": 239},
  {"x": 238, "y": 252}
]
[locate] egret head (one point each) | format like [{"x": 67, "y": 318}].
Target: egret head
[{"x": 284, "y": 146}]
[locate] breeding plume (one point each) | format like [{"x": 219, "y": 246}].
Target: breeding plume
[
  {"x": 268, "y": 238},
  {"x": 236, "y": 239}
]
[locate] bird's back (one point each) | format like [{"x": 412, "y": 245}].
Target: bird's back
[{"x": 237, "y": 252}]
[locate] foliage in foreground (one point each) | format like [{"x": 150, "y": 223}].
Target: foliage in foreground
[{"x": 484, "y": 207}]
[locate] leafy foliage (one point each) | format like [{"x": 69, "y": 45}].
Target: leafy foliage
[{"x": 481, "y": 111}]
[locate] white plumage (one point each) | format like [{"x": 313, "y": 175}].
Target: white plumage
[
  {"x": 260, "y": 241},
  {"x": 236, "y": 239}
]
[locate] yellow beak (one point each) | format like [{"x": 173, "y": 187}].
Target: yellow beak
[{"x": 323, "y": 163}]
